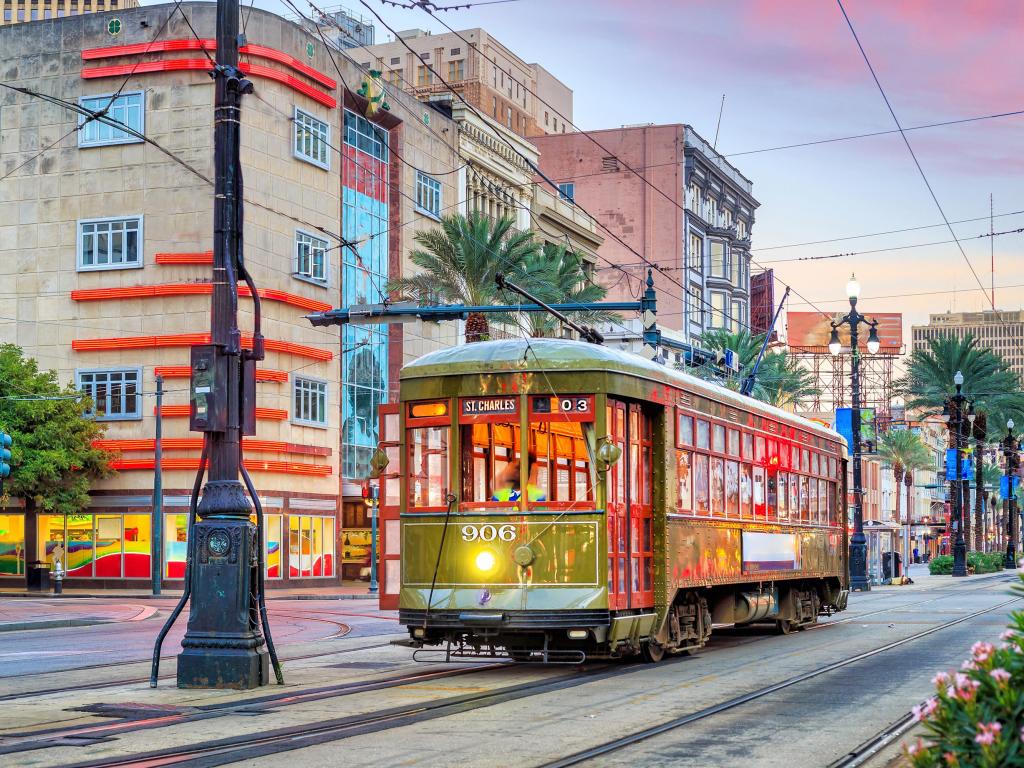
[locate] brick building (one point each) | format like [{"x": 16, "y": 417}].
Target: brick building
[
  {"x": 105, "y": 248},
  {"x": 523, "y": 97},
  {"x": 675, "y": 201}
]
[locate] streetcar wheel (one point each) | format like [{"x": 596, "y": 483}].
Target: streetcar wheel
[
  {"x": 783, "y": 627},
  {"x": 652, "y": 652}
]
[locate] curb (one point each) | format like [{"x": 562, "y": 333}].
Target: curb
[{"x": 146, "y": 612}]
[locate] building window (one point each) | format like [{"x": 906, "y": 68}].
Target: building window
[
  {"x": 428, "y": 195},
  {"x": 741, "y": 229},
  {"x": 97, "y": 546},
  {"x": 128, "y": 109},
  {"x": 110, "y": 243},
  {"x": 309, "y": 400},
  {"x": 396, "y": 60},
  {"x": 364, "y": 135},
  {"x": 114, "y": 393},
  {"x": 395, "y": 77},
  {"x": 312, "y": 139},
  {"x": 697, "y": 253},
  {"x": 567, "y": 191},
  {"x": 710, "y": 209},
  {"x": 423, "y": 75},
  {"x": 739, "y": 319},
  {"x": 719, "y": 310},
  {"x": 508, "y": 117},
  {"x": 457, "y": 70},
  {"x": 546, "y": 119},
  {"x": 310, "y": 257},
  {"x": 12, "y": 545},
  {"x": 693, "y": 198},
  {"x": 719, "y": 260},
  {"x": 310, "y": 546}
]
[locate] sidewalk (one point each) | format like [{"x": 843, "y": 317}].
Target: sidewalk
[
  {"x": 348, "y": 590},
  {"x": 26, "y": 614},
  {"x": 924, "y": 580}
]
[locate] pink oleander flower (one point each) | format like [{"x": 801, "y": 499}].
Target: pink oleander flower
[
  {"x": 1000, "y": 675},
  {"x": 940, "y": 679},
  {"x": 960, "y": 680},
  {"x": 926, "y": 709},
  {"x": 988, "y": 733},
  {"x": 982, "y": 652},
  {"x": 1022, "y": 733},
  {"x": 950, "y": 759},
  {"x": 968, "y": 665},
  {"x": 1008, "y": 634},
  {"x": 913, "y": 749}
]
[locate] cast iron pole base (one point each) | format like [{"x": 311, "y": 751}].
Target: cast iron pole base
[
  {"x": 959, "y": 559},
  {"x": 859, "y": 564},
  {"x": 1011, "y": 557},
  {"x": 223, "y": 646}
]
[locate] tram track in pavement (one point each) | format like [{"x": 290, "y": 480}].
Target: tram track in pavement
[
  {"x": 251, "y": 746},
  {"x": 855, "y": 757}
]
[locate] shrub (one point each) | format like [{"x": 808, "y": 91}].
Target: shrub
[
  {"x": 941, "y": 565},
  {"x": 981, "y": 562},
  {"x": 976, "y": 717}
]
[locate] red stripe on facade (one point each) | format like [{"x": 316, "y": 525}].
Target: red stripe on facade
[
  {"x": 204, "y": 65},
  {"x": 281, "y": 467},
  {"x": 206, "y": 257},
  {"x": 193, "y": 289},
  {"x": 196, "y": 443},
  {"x": 184, "y": 372},
  {"x": 177, "y": 411},
  {"x": 114, "y": 51},
  {"x": 192, "y": 339}
]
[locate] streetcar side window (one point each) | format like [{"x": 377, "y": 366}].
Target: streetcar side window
[
  {"x": 703, "y": 434},
  {"x": 734, "y": 443},
  {"x": 732, "y": 489},
  {"x": 794, "y": 498},
  {"x": 805, "y": 501},
  {"x": 700, "y": 484},
  {"x": 684, "y": 474},
  {"x": 490, "y": 463},
  {"x": 428, "y": 466},
  {"x": 717, "y": 486},
  {"x": 823, "y": 505},
  {"x": 746, "y": 490},
  {"x": 748, "y": 446},
  {"x": 783, "y": 501},
  {"x": 719, "y": 439},
  {"x": 685, "y": 430}
]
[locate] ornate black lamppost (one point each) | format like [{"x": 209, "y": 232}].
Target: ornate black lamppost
[
  {"x": 1010, "y": 447},
  {"x": 858, "y": 542},
  {"x": 955, "y": 409}
]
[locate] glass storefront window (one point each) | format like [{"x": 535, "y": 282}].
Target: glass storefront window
[
  {"x": 272, "y": 556},
  {"x": 310, "y": 546},
  {"x": 175, "y": 545},
  {"x": 98, "y": 546},
  {"x": 12, "y": 545}
]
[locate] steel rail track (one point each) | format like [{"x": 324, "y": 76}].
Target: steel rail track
[
  {"x": 860, "y": 754},
  {"x": 737, "y": 701}
]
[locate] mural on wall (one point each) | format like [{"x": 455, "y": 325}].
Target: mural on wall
[{"x": 364, "y": 356}]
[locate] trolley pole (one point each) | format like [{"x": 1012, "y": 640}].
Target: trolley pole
[{"x": 223, "y": 646}]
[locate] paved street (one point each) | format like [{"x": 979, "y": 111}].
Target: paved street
[{"x": 350, "y": 694}]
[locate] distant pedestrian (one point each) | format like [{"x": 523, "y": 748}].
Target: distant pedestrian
[{"x": 917, "y": 556}]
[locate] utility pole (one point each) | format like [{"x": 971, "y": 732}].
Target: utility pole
[
  {"x": 223, "y": 646},
  {"x": 158, "y": 490}
]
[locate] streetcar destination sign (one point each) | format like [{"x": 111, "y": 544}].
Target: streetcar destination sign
[{"x": 483, "y": 406}]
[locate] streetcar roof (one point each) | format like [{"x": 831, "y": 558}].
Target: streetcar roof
[{"x": 565, "y": 355}]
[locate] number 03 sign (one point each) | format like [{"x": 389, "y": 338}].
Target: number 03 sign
[{"x": 488, "y": 533}]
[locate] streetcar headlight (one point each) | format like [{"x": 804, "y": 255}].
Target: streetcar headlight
[
  {"x": 578, "y": 634},
  {"x": 485, "y": 560}
]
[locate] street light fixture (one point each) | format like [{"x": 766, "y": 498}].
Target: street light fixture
[
  {"x": 858, "y": 542},
  {"x": 1010, "y": 447},
  {"x": 955, "y": 408}
]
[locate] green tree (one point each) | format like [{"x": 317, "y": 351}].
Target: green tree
[
  {"x": 555, "y": 275},
  {"x": 781, "y": 380},
  {"x": 989, "y": 385},
  {"x": 458, "y": 262},
  {"x": 905, "y": 452},
  {"x": 54, "y": 462},
  {"x": 992, "y": 477}
]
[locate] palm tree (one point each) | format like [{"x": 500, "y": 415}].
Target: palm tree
[
  {"x": 458, "y": 262},
  {"x": 904, "y": 452},
  {"x": 556, "y": 275},
  {"x": 781, "y": 380},
  {"x": 993, "y": 477},
  {"x": 988, "y": 384}
]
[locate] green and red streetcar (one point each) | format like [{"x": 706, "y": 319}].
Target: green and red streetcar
[{"x": 553, "y": 500}]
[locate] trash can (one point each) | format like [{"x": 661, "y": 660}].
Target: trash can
[
  {"x": 887, "y": 565},
  {"x": 38, "y": 577}
]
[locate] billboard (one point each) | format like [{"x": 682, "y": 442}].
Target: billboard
[
  {"x": 762, "y": 302},
  {"x": 811, "y": 331}
]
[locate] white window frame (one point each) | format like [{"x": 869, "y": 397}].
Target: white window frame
[
  {"x": 83, "y": 143},
  {"x": 311, "y": 278},
  {"x": 80, "y": 237},
  {"x": 720, "y": 317},
  {"x": 296, "y": 417},
  {"x": 428, "y": 188},
  {"x": 136, "y": 415},
  {"x": 567, "y": 191},
  {"x": 324, "y": 140}
]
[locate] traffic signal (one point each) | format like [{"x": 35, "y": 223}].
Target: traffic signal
[{"x": 5, "y": 455}]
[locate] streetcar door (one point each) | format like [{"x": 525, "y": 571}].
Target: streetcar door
[
  {"x": 388, "y": 511},
  {"x": 618, "y": 510},
  {"x": 630, "y": 559}
]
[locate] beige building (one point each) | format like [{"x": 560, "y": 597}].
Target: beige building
[
  {"x": 16, "y": 11},
  {"x": 1000, "y": 331},
  {"x": 487, "y": 74},
  {"x": 105, "y": 249}
]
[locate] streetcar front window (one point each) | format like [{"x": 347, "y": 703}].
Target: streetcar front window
[
  {"x": 427, "y": 441},
  {"x": 490, "y": 463},
  {"x": 562, "y": 472}
]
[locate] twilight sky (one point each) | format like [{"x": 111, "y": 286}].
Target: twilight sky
[{"x": 791, "y": 72}]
